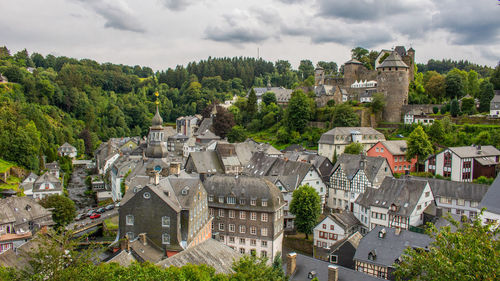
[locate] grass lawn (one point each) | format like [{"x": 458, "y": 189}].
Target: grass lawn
[
  {"x": 12, "y": 183},
  {"x": 112, "y": 223},
  {"x": 5, "y": 165}
]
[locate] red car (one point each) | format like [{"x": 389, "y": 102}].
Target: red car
[{"x": 95, "y": 216}]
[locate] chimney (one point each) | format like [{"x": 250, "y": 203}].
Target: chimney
[
  {"x": 479, "y": 149},
  {"x": 125, "y": 244},
  {"x": 333, "y": 273},
  {"x": 175, "y": 168},
  {"x": 142, "y": 238},
  {"x": 291, "y": 263},
  {"x": 397, "y": 231},
  {"x": 154, "y": 178}
]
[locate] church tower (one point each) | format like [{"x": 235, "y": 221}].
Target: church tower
[
  {"x": 393, "y": 81},
  {"x": 156, "y": 146}
]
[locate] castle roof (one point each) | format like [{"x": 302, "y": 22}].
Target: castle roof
[
  {"x": 353, "y": 61},
  {"x": 393, "y": 60}
]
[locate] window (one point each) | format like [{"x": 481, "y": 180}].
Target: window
[
  {"x": 231, "y": 200},
  {"x": 263, "y": 231},
  {"x": 232, "y": 214},
  {"x": 331, "y": 227},
  {"x": 243, "y": 229},
  {"x": 242, "y": 241},
  {"x": 264, "y": 244},
  {"x": 221, "y": 238},
  {"x": 146, "y": 195},
  {"x": 332, "y": 236},
  {"x": 427, "y": 194},
  {"x": 221, "y": 199},
  {"x": 333, "y": 259},
  {"x": 445, "y": 200},
  {"x": 381, "y": 149},
  {"x": 253, "y": 242},
  {"x": 253, "y": 216},
  {"x": 263, "y": 217},
  {"x": 419, "y": 207},
  {"x": 242, "y": 251},
  {"x": 264, "y": 202},
  {"x": 130, "y": 235},
  {"x": 324, "y": 226},
  {"x": 460, "y": 202},
  {"x": 221, "y": 213},
  {"x": 474, "y": 203},
  {"x": 263, "y": 254},
  {"x": 130, "y": 220},
  {"x": 242, "y": 215},
  {"x": 253, "y": 230},
  {"x": 231, "y": 228},
  {"x": 165, "y": 238},
  {"x": 253, "y": 202},
  {"x": 165, "y": 221},
  {"x": 472, "y": 214},
  {"x": 211, "y": 211},
  {"x": 242, "y": 201},
  {"x": 231, "y": 239},
  {"x": 211, "y": 198},
  {"x": 221, "y": 226}
]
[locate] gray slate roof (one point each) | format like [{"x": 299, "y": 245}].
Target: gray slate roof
[
  {"x": 393, "y": 60},
  {"x": 389, "y": 248},
  {"x": 206, "y": 162},
  {"x": 459, "y": 190},
  {"x": 307, "y": 264},
  {"x": 347, "y": 219},
  {"x": 395, "y": 147},
  {"x": 123, "y": 258},
  {"x": 404, "y": 193},
  {"x": 206, "y": 124},
  {"x": 210, "y": 252},
  {"x": 472, "y": 152},
  {"x": 350, "y": 164},
  {"x": 329, "y": 137},
  {"x": 21, "y": 210},
  {"x": 491, "y": 200},
  {"x": 47, "y": 177}
]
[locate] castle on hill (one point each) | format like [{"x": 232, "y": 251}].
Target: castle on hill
[{"x": 394, "y": 69}]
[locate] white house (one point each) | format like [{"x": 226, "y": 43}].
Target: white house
[
  {"x": 495, "y": 106},
  {"x": 464, "y": 163},
  {"x": 333, "y": 228},
  {"x": 334, "y": 141},
  {"x": 46, "y": 185},
  {"x": 67, "y": 150},
  {"x": 121, "y": 168},
  {"x": 398, "y": 203}
]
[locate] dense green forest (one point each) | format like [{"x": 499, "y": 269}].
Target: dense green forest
[{"x": 50, "y": 100}]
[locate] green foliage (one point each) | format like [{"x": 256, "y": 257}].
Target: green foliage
[
  {"x": 251, "y": 108},
  {"x": 344, "y": 116},
  {"x": 237, "y": 134},
  {"x": 435, "y": 110},
  {"x": 418, "y": 145},
  {"x": 354, "y": 148},
  {"x": 484, "y": 180},
  {"x": 223, "y": 122},
  {"x": 306, "y": 69},
  {"x": 435, "y": 86},
  {"x": 378, "y": 103},
  {"x": 329, "y": 67},
  {"x": 445, "y": 65},
  {"x": 298, "y": 112},
  {"x": 268, "y": 98},
  {"x": 436, "y": 132},
  {"x": 64, "y": 209},
  {"x": 486, "y": 94},
  {"x": 495, "y": 78},
  {"x": 306, "y": 206},
  {"x": 471, "y": 252},
  {"x": 454, "y": 86},
  {"x": 454, "y": 108},
  {"x": 253, "y": 268},
  {"x": 468, "y": 106}
]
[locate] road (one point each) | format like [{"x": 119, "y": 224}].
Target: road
[
  {"x": 77, "y": 188},
  {"x": 87, "y": 221}
]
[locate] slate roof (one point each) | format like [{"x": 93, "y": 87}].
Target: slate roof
[
  {"x": 206, "y": 124},
  {"x": 178, "y": 136},
  {"x": 20, "y": 210},
  {"x": 404, "y": 193},
  {"x": 290, "y": 182},
  {"x": 123, "y": 258},
  {"x": 67, "y": 147},
  {"x": 207, "y": 135},
  {"x": 353, "y": 61},
  {"x": 389, "y": 248},
  {"x": 160, "y": 190},
  {"x": 46, "y": 177},
  {"x": 147, "y": 252},
  {"x": 459, "y": 190},
  {"x": 52, "y": 166},
  {"x": 206, "y": 162},
  {"x": 244, "y": 151},
  {"x": 210, "y": 252},
  {"x": 307, "y": 264},
  {"x": 347, "y": 219},
  {"x": 350, "y": 164},
  {"x": 491, "y": 200},
  {"x": 245, "y": 187},
  {"x": 293, "y": 147},
  {"x": 276, "y": 90},
  {"x": 259, "y": 164},
  {"x": 395, "y": 147},
  {"x": 473, "y": 152},
  {"x": 329, "y": 137},
  {"x": 353, "y": 239},
  {"x": 393, "y": 60}
]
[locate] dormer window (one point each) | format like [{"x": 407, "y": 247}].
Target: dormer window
[
  {"x": 221, "y": 199},
  {"x": 394, "y": 207},
  {"x": 185, "y": 190},
  {"x": 253, "y": 202},
  {"x": 231, "y": 200},
  {"x": 264, "y": 202},
  {"x": 211, "y": 198},
  {"x": 381, "y": 233},
  {"x": 242, "y": 202},
  {"x": 372, "y": 255}
]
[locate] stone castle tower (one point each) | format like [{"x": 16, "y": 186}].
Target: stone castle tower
[
  {"x": 319, "y": 76},
  {"x": 393, "y": 80}
]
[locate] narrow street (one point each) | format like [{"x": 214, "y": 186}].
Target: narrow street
[{"x": 77, "y": 188}]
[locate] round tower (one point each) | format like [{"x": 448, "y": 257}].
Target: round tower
[
  {"x": 393, "y": 81},
  {"x": 319, "y": 76},
  {"x": 411, "y": 59},
  {"x": 351, "y": 71}
]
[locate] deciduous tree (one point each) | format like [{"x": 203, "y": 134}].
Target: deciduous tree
[
  {"x": 223, "y": 122},
  {"x": 354, "y": 148},
  {"x": 298, "y": 112},
  {"x": 306, "y": 206},
  {"x": 418, "y": 145},
  {"x": 64, "y": 209}
]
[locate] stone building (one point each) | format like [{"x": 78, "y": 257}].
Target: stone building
[
  {"x": 171, "y": 211},
  {"x": 248, "y": 214},
  {"x": 334, "y": 141}
]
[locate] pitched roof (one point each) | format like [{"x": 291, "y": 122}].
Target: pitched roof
[
  {"x": 148, "y": 252},
  {"x": 460, "y": 190},
  {"x": 353, "y": 239},
  {"x": 393, "y": 60},
  {"x": 206, "y": 124},
  {"x": 353, "y": 61},
  {"x": 21, "y": 210},
  {"x": 206, "y": 162},
  {"x": 351, "y": 164},
  {"x": 491, "y": 200},
  {"x": 46, "y": 177},
  {"x": 475, "y": 151},
  {"x": 404, "y": 193},
  {"x": 389, "y": 248},
  {"x": 395, "y": 147},
  {"x": 210, "y": 252},
  {"x": 123, "y": 258},
  {"x": 329, "y": 137},
  {"x": 207, "y": 135},
  {"x": 347, "y": 219},
  {"x": 305, "y": 264},
  {"x": 259, "y": 164}
]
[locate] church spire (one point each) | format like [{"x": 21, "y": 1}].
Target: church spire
[{"x": 157, "y": 121}]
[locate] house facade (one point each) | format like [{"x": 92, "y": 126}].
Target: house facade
[
  {"x": 464, "y": 163},
  {"x": 395, "y": 154},
  {"x": 495, "y": 105},
  {"x": 186, "y": 125},
  {"x": 46, "y": 185},
  {"x": 67, "y": 150},
  {"x": 334, "y": 141},
  {"x": 248, "y": 214},
  {"x": 333, "y": 228}
]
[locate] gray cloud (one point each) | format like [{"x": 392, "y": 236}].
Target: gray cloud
[
  {"x": 117, "y": 14},
  {"x": 177, "y": 5},
  {"x": 469, "y": 24},
  {"x": 363, "y": 10},
  {"x": 254, "y": 25},
  {"x": 291, "y": 1}
]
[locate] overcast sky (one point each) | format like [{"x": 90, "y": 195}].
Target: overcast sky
[{"x": 164, "y": 33}]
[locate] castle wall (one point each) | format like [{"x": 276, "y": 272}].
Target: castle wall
[{"x": 394, "y": 84}]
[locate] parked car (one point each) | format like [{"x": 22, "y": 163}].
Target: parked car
[
  {"x": 117, "y": 204},
  {"x": 79, "y": 217},
  {"x": 110, "y": 207},
  {"x": 100, "y": 210},
  {"x": 95, "y": 216},
  {"x": 89, "y": 213}
]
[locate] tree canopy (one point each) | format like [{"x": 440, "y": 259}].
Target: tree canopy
[
  {"x": 64, "y": 210},
  {"x": 354, "y": 148},
  {"x": 418, "y": 145},
  {"x": 306, "y": 206}
]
